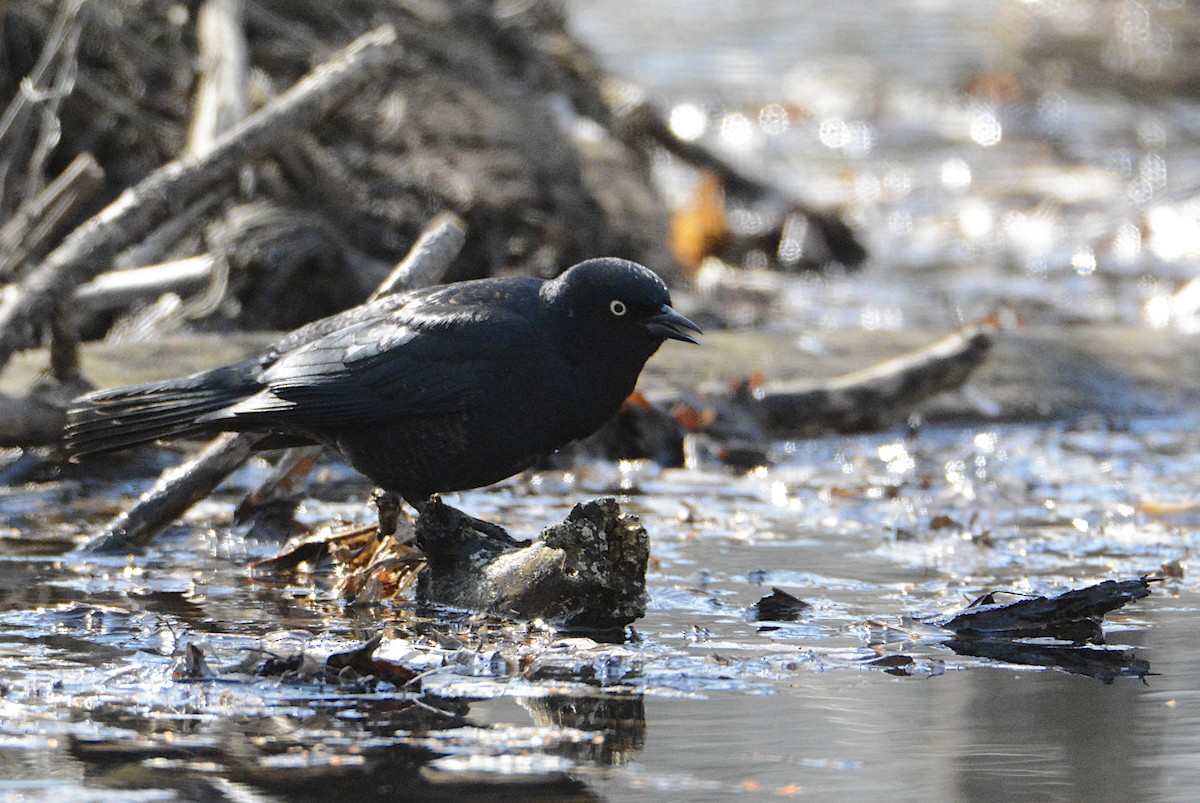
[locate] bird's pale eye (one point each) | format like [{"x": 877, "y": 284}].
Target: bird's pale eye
[{"x": 617, "y": 307}]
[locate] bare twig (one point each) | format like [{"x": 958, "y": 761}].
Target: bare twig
[
  {"x": 38, "y": 219},
  {"x": 64, "y": 349},
  {"x": 837, "y": 237},
  {"x": 90, "y": 248},
  {"x": 16, "y": 118},
  {"x": 50, "y": 130},
  {"x": 877, "y": 395},
  {"x": 151, "y": 248}
]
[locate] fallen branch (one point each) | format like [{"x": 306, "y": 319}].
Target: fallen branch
[
  {"x": 876, "y": 396},
  {"x": 90, "y": 248},
  {"x": 1032, "y": 630},
  {"x": 58, "y": 54},
  {"x": 173, "y": 493},
  {"x": 738, "y": 425},
  {"x": 1074, "y": 615},
  {"x": 119, "y": 289},
  {"x": 836, "y": 237}
]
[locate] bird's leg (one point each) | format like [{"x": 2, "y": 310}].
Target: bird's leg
[{"x": 387, "y": 505}]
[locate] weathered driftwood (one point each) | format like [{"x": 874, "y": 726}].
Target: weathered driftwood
[
  {"x": 180, "y": 488},
  {"x": 1026, "y": 630},
  {"x": 222, "y": 99},
  {"x": 90, "y": 248},
  {"x": 586, "y": 572},
  {"x": 738, "y": 424},
  {"x": 874, "y": 397},
  {"x": 120, "y": 289},
  {"x": 1074, "y": 615}
]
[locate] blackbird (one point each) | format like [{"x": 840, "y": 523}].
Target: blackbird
[{"x": 440, "y": 389}]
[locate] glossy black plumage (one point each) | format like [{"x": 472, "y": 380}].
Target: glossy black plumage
[{"x": 441, "y": 389}]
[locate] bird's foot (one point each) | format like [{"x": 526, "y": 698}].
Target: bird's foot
[{"x": 434, "y": 511}]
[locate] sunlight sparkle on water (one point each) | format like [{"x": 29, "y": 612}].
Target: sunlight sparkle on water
[
  {"x": 688, "y": 121},
  {"x": 986, "y": 129},
  {"x": 956, "y": 174}
]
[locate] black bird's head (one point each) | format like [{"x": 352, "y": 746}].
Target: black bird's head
[{"x": 615, "y": 303}]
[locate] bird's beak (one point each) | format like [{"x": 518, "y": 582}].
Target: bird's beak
[{"x": 669, "y": 323}]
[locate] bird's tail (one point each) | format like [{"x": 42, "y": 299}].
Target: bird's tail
[{"x": 108, "y": 420}]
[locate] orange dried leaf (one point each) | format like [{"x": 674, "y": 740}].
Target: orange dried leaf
[
  {"x": 699, "y": 229},
  {"x": 1172, "y": 568},
  {"x": 636, "y": 401}
]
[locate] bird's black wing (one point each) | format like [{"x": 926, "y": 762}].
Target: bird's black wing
[{"x": 429, "y": 357}]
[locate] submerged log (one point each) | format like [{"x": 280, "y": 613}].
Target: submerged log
[{"x": 586, "y": 572}]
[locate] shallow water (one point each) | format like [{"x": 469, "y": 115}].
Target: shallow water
[
  {"x": 701, "y": 702},
  {"x": 1068, "y": 196}
]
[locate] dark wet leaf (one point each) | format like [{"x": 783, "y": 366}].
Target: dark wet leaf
[
  {"x": 192, "y": 665},
  {"x": 898, "y": 665},
  {"x": 361, "y": 662},
  {"x": 309, "y": 551},
  {"x": 778, "y": 606},
  {"x": 295, "y": 664},
  {"x": 745, "y": 456}
]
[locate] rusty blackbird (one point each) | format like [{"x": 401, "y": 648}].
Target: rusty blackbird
[{"x": 439, "y": 389}]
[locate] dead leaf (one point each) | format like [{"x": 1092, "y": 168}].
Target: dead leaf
[{"x": 778, "y": 606}]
